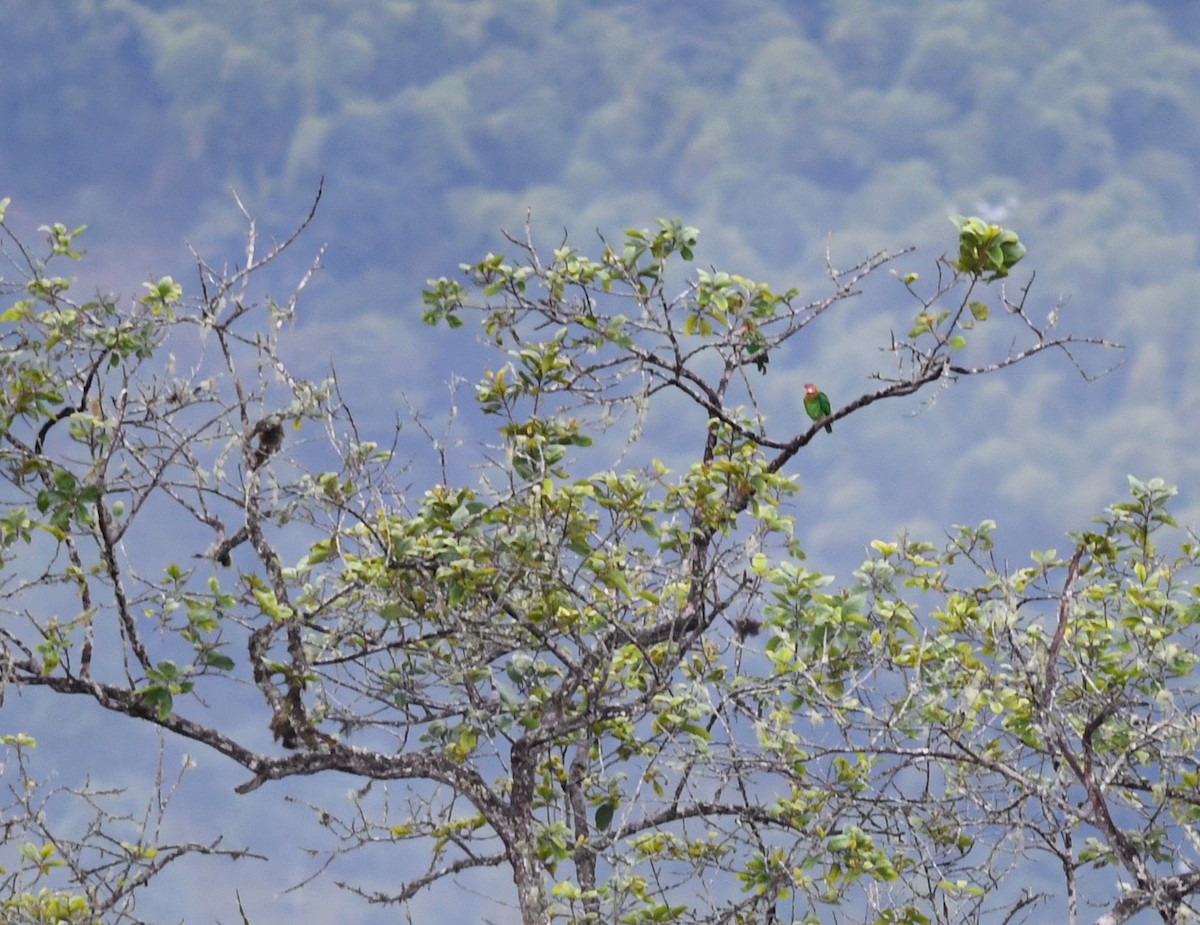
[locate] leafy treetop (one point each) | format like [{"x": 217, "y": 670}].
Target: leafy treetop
[{"x": 625, "y": 685}]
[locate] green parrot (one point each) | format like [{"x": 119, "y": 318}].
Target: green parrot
[{"x": 816, "y": 403}]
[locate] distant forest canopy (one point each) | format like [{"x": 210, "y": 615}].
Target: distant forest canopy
[{"x": 438, "y": 122}]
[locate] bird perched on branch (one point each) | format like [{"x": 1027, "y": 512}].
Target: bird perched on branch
[
  {"x": 269, "y": 432},
  {"x": 816, "y": 403}
]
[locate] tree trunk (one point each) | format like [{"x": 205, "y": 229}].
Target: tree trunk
[{"x": 521, "y": 843}]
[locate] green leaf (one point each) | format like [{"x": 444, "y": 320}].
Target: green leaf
[
  {"x": 320, "y": 551},
  {"x": 564, "y": 889},
  {"x": 218, "y": 660},
  {"x": 160, "y": 699},
  {"x": 840, "y": 843},
  {"x": 392, "y": 611},
  {"x": 161, "y": 293},
  {"x": 604, "y": 815}
]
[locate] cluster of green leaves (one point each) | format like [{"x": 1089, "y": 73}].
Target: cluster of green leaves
[
  {"x": 986, "y": 253},
  {"x": 985, "y": 249},
  {"x": 48, "y": 907},
  {"x": 66, "y": 501},
  {"x": 1075, "y": 709},
  {"x": 52, "y": 344},
  {"x": 641, "y": 262},
  {"x": 27, "y": 900}
]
